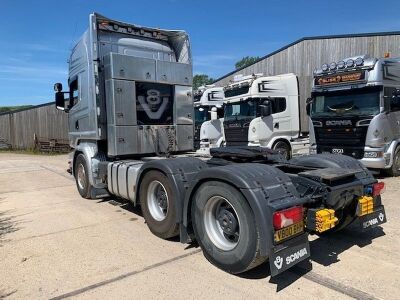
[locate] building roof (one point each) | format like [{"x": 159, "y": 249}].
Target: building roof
[{"x": 308, "y": 38}]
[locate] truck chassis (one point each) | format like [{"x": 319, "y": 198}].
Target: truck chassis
[{"x": 231, "y": 203}]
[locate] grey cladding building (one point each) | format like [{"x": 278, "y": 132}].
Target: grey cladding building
[{"x": 306, "y": 54}]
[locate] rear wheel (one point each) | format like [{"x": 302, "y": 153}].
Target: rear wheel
[
  {"x": 394, "y": 170},
  {"x": 82, "y": 176},
  {"x": 225, "y": 228},
  {"x": 158, "y": 204},
  {"x": 283, "y": 148}
]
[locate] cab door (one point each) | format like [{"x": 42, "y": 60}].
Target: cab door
[
  {"x": 279, "y": 122},
  {"x": 394, "y": 111}
]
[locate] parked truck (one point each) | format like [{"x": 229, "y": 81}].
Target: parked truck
[
  {"x": 260, "y": 111},
  {"x": 355, "y": 111},
  {"x": 131, "y": 127},
  {"x": 208, "y": 105}
]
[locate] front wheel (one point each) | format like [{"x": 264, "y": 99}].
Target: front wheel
[
  {"x": 81, "y": 173},
  {"x": 158, "y": 204},
  {"x": 225, "y": 227},
  {"x": 283, "y": 148},
  {"x": 394, "y": 170}
]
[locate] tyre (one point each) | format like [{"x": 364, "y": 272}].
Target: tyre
[
  {"x": 158, "y": 205},
  {"x": 283, "y": 148},
  {"x": 225, "y": 227},
  {"x": 81, "y": 174},
  {"x": 394, "y": 170}
]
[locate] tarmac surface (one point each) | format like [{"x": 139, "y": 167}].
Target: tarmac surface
[{"x": 56, "y": 245}]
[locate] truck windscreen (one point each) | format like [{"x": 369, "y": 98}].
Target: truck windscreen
[
  {"x": 343, "y": 103},
  {"x": 241, "y": 110},
  {"x": 201, "y": 114}
]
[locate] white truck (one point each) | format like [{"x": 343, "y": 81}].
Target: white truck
[
  {"x": 208, "y": 105},
  {"x": 260, "y": 111},
  {"x": 131, "y": 127}
]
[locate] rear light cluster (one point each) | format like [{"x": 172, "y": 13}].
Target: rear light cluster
[
  {"x": 378, "y": 188},
  {"x": 287, "y": 217},
  {"x": 375, "y": 189}
]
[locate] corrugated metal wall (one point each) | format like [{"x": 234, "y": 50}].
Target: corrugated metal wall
[
  {"x": 18, "y": 128},
  {"x": 304, "y": 56},
  {"x": 301, "y": 58}
]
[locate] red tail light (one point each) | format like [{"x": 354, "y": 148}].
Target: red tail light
[
  {"x": 378, "y": 188},
  {"x": 284, "y": 218}
]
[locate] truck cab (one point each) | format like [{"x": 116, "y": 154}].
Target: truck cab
[
  {"x": 355, "y": 111},
  {"x": 208, "y": 105},
  {"x": 112, "y": 64},
  {"x": 262, "y": 111}
]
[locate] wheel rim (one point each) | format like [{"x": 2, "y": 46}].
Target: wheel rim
[
  {"x": 221, "y": 223},
  {"x": 282, "y": 148},
  {"x": 157, "y": 199},
  {"x": 81, "y": 177},
  {"x": 397, "y": 162}
]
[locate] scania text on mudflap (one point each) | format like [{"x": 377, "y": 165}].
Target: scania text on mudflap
[
  {"x": 131, "y": 127},
  {"x": 355, "y": 111}
]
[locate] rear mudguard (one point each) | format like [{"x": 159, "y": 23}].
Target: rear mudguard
[
  {"x": 335, "y": 161},
  {"x": 327, "y": 161},
  {"x": 266, "y": 189},
  {"x": 180, "y": 171}
]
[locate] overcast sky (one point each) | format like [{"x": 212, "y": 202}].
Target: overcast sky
[{"x": 36, "y": 36}]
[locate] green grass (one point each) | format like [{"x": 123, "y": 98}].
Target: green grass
[{"x": 4, "y": 109}]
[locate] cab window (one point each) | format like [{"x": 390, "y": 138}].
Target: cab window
[
  {"x": 74, "y": 93},
  {"x": 278, "y": 105},
  {"x": 394, "y": 101}
]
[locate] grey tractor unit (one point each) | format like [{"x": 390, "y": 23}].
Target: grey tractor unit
[{"x": 131, "y": 126}]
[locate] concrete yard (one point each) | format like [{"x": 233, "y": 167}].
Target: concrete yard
[{"x": 54, "y": 244}]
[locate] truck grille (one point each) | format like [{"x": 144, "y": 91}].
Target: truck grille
[
  {"x": 236, "y": 136},
  {"x": 351, "y": 140}
]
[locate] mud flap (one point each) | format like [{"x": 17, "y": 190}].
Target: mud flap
[
  {"x": 288, "y": 254},
  {"x": 374, "y": 219}
]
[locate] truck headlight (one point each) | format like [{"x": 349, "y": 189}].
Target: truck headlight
[{"x": 373, "y": 154}]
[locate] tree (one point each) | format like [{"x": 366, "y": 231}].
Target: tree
[
  {"x": 201, "y": 79},
  {"x": 246, "y": 61}
]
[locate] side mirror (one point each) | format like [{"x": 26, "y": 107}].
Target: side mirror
[
  {"x": 60, "y": 100},
  {"x": 58, "y": 87},
  {"x": 266, "y": 109},
  {"x": 214, "y": 115},
  {"x": 59, "y": 97}
]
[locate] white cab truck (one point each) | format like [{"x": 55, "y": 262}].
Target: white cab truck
[
  {"x": 260, "y": 111},
  {"x": 355, "y": 111},
  {"x": 208, "y": 105},
  {"x": 131, "y": 127}
]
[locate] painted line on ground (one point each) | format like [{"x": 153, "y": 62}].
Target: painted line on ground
[
  {"x": 332, "y": 284},
  {"x": 65, "y": 230},
  {"x": 123, "y": 276}
]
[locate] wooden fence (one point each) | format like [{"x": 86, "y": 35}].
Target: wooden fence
[{"x": 34, "y": 127}]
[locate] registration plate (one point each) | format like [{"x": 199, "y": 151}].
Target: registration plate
[
  {"x": 337, "y": 151},
  {"x": 287, "y": 232}
]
